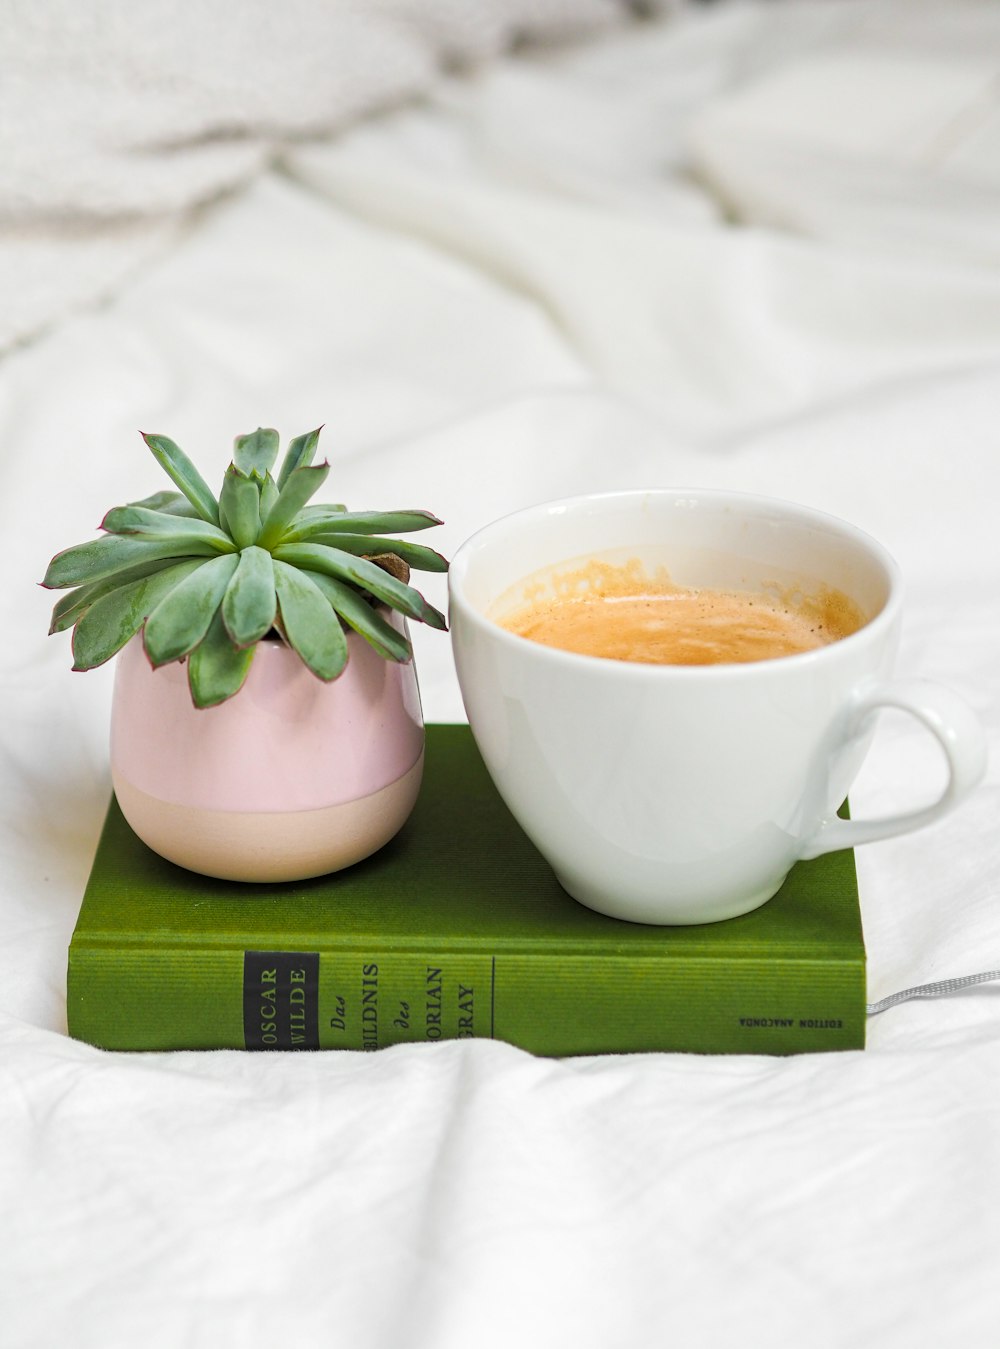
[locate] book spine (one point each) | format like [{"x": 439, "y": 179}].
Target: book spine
[{"x": 550, "y": 1003}]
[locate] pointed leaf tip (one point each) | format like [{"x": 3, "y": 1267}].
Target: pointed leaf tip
[
  {"x": 183, "y": 474},
  {"x": 299, "y": 454}
]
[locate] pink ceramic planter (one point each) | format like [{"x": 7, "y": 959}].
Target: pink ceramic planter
[{"x": 290, "y": 778}]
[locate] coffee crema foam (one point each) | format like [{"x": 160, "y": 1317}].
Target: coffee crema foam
[{"x": 619, "y": 613}]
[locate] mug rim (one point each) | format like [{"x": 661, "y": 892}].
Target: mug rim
[{"x": 886, "y": 617}]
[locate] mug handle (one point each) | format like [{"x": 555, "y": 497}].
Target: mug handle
[{"x": 957, "y": 730}]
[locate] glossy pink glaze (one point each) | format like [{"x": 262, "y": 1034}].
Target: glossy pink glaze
[{"x": 285, "y": 742}]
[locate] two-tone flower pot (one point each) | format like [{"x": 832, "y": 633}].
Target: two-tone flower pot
[{"x": 291, "y": 778}]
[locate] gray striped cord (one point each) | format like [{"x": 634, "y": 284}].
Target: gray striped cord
[{"x": 940, "y": 989}]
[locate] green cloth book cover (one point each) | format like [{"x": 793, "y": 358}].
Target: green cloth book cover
[{"x": 457, "y": 928}]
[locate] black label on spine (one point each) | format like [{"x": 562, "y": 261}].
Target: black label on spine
[{"x": 281, "y": 999}]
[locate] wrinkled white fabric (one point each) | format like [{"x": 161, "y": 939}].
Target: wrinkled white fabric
[
  {"x": 873, "y": 143},
  {"x": 118, "y": 121},
  {"x": 522, "y": 287}
]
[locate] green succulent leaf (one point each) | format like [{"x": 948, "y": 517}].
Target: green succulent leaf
[
  {"x": 299, "y": 486},
  {"x": 256, "y": 453},
  {"x": 70, "y": 606},
  {"x": 118, "y": 615},
  {"x": 174, "y": 503},
  {"x": 181, "y": 471},
  {"x": 216, "y": 667},
  {"x": 250, "y": 602},
  {"x": 268, "y": 496},
  {"x": 153, "y": 524},
  {"x": 181, "y": 619},
  {"x": 325, "y": 508},
  {"x": 103, "y": 557},
  {"x": 324, "y": 519},
  {"x": 309, "y": 623},
  {"x": 363, "y": 545},
  {"x": 355, "y": 610},
  {"x": 357, "y": 571},
  {"x": 240, "y": 505},
  {"x": 300, "y": 453}
]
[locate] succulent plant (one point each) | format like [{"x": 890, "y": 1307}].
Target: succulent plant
[{"x": 205, "y": 579}]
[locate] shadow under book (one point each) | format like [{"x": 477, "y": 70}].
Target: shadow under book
[{"x": 456, "y": 929}]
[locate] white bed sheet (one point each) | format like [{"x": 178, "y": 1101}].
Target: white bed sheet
[{"x": 530, "y": 285}]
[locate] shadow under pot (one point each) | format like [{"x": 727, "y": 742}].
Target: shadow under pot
[{"x": 290, "y": 778}]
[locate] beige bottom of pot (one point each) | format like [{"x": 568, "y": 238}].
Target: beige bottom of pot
[{"x": 270, "y": 846}]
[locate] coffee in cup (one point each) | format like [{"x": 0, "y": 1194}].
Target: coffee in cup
[{"x": 624, "y": 613}]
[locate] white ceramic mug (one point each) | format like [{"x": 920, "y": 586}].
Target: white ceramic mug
[{"x": 685, "y": 794}]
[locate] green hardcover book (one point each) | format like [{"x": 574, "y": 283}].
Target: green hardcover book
[{"x": 457, "y": 928}]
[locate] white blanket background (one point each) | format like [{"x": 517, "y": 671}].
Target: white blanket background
[{"x": 539, "y": 249}]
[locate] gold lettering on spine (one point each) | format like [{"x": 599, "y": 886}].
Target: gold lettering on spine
[
  {"x": 369, "y": 1006},
  {"x": 433, "y": 982},
  {"x": 269, "y": 998}
]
